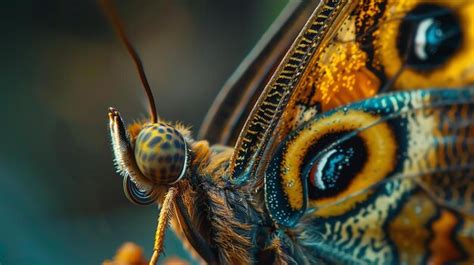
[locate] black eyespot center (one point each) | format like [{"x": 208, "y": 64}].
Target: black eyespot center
[
  {"x": 429, "y": 36},
  {"x": 336, "y": 170}
]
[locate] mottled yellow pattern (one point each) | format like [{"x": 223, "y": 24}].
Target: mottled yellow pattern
[
  {"x": 442, "y": 247},
  {"x": 409, "y": 229}
]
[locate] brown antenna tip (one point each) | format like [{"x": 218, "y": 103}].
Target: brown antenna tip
[{"x": 112, "y": 14}]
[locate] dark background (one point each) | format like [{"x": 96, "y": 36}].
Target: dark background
[{"x": 61, "y": 68}]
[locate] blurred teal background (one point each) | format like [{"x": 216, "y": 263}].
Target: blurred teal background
[{"x": 61, "y": 68}]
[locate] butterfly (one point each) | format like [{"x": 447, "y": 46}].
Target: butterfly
[{"x": 346, "y": 137}]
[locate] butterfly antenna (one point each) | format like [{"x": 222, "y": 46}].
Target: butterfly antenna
[{"x": 111, "y": 12}]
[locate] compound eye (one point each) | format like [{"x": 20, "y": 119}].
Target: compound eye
[
  {"x": 434, "y": 36},
  {"x": 160, "y": 153}
]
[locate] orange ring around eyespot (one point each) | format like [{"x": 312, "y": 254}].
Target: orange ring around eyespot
[{"x": 381, "y": 149}]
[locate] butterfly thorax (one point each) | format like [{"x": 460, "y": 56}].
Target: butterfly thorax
[{"x": 215, "y": 218}]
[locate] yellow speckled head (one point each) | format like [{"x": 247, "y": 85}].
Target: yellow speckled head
[{"x": 161, "y": 153}]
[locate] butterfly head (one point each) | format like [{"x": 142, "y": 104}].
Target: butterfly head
[{"x": 148, "y": 155}]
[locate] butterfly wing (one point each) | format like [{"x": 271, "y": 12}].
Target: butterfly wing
[
  {"x": 227, "y": 115},
  {"x": 364, "y": 48},
  {"x": 422, "y": 170},
  {"x": 387, "y": 180},
  {"x": 379, "y": 46},
  {"x": 328, "y": 159},
  {"x": 265, "y": 115}
]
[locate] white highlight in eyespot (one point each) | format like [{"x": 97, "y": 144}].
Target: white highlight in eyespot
[
  {"x": 319, "y": 170},
  {"x": 420, "y": 38}
]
